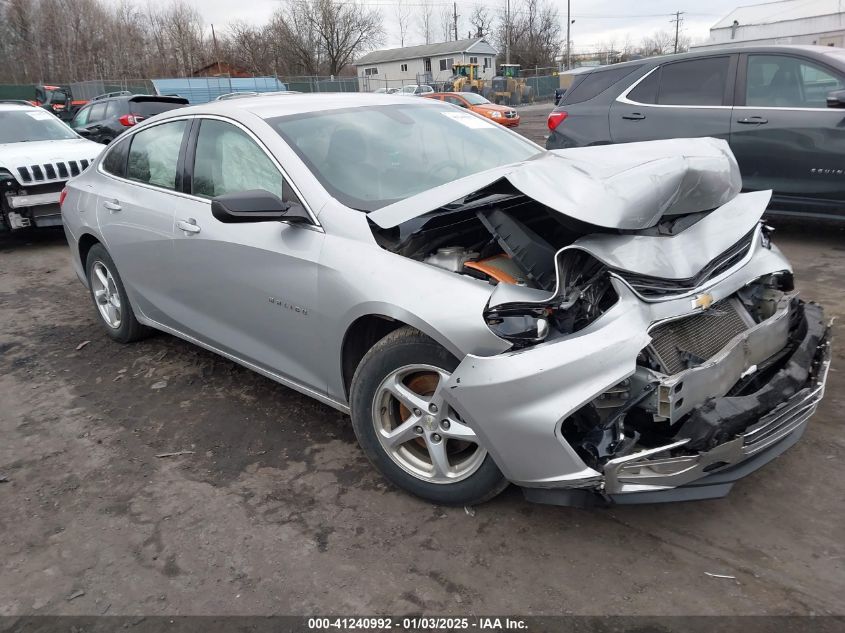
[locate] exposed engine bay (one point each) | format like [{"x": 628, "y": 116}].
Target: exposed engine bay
[{"x": 508, "y": 238}]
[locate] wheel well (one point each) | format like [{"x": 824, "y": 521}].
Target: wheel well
[
  {"x": 86, "y": 241},
  {"x": 364, "y": 332}
]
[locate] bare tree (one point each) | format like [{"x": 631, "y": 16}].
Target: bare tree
[
  {"x": 73, "y": 40},
  {"x": 403, "y": 18},
  {"x": 447, "y": 24},
  {"x": 663, "y": 43},
  {"x": 481, "y": 20},
  {"x": 248, "y": 47},
  {"x": 344, "y": 29},
  {"x": 535, "y": 36},
  {"x": 426, "y": 20}
]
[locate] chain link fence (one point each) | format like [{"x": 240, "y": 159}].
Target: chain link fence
[{"x": 541, "y": 81}]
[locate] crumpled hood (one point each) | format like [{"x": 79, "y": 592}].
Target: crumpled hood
[
  {"x": 627, "y": 186},
  {"x": 14, "y": 155}
]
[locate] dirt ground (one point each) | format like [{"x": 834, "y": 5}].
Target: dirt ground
[{"x": 276, "y": 511}]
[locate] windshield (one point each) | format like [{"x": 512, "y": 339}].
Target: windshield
[
  {"x": 373, "y": 156},
  {"x": 20, "y": 126},
  {"x": 474, "y": 98}
]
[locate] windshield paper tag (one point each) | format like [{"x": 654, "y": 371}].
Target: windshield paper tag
[
  {"x": 41, "y": 116},
  {"x": 468, "y": 120}
]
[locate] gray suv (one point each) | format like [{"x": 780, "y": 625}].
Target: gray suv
[{"x": 779, "y": 107}]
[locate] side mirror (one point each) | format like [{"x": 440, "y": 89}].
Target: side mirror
[
  {"x": 836, "y": 99},
  {"x": 256, "y": 205}
]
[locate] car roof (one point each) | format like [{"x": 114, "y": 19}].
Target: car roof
[
  {"x": 7, "y": 107},
  {"x": 818, "y": 52},
  {"x": 267, "y": 107}
]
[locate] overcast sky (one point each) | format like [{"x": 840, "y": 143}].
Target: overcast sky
[{"x": 596, "y": 21}]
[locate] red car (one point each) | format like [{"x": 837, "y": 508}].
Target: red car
[{"x": 505, "y": 115}]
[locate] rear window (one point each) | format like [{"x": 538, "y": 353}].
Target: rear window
[
  {"x": 151, "y": 108},
  {"x": 595, "y": 83}
]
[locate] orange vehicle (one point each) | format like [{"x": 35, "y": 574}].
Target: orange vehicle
[{"x": 505, "y": 115}]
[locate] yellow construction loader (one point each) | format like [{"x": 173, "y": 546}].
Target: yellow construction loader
[
  {"x": 465, "y": 79},
  {"x": 509, "y": 87}
]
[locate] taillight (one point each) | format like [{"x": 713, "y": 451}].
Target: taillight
[
  {"x": 128, "y": 120},
  {"x": 555, "y": 119},
  {"x": 62, "y": 196}
]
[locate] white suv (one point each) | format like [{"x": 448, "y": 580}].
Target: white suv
[{"x": 38, "y": 155}]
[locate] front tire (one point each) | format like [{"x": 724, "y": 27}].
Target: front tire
[
  {"x": 407, "y": 430},
  {"x": 110, "y": 298}
]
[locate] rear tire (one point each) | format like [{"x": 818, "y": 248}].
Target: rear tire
[
  {"x": 110, "y": 298},
  {"x": 409, "y": 433}
]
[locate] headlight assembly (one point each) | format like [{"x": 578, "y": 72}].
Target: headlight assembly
[{"x": 584, "y": 294}]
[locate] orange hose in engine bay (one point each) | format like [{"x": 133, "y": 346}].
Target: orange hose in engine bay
[{"x": 492, "y": 267}]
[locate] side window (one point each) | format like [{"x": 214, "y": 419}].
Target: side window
[
  {"x": 455, "y": 101},
  {"x": 115, "y": 160},
  {"x": 228, "y": 160},
  {"x": 699, "y": 82},
  {"x": 779, "y": 81},
  {"x": 98, "y": 112},
  {"x": 595, "y": 83},
  {"x": 154, "y": 154},
  {"x": 81, "y": 117},
  {"x": 114, "y": 108},
  {"x": 646, "y": 90}
]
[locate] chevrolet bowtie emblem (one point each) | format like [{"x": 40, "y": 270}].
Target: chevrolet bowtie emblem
[{"x": 703, "y": 301}]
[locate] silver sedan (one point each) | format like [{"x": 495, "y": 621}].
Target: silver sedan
[{"x": 598, "y": 325}]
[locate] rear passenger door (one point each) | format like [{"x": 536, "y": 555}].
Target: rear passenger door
[
  {"x": 783, "y": 134},
  {"x": 135, "y": 210},
  {"x": 688, "y": 98}
]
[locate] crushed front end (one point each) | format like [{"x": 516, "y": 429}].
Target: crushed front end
[
  {"x": 654, "y": 401},
  {"x": 659, "y": 350}
]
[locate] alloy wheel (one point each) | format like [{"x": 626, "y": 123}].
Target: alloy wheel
[
  {"x": 106, "y": 295},
  {"x": 419, "y": 431}
]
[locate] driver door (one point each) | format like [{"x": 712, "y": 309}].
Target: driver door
[{"x": 246, "y": 289}]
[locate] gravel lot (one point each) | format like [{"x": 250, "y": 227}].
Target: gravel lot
[{"x": 275, "y": 510}]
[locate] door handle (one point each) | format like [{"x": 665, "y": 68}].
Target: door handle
[
  {"x": 634, "y": 116},
  {"x": 189, "y": 226},
  {"x": 112, "y": 205},
  {"x": 753, "y": 120}
]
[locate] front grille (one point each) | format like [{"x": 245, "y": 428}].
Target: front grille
[
  {"x": 510, "y": 114},
  {"x": 61, "y": 170},
  {"x": 687, "y": 342},
  {"x": 654, "y": 287}
]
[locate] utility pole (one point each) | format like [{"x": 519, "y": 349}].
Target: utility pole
[
  {"x": 678, "y": 19},
  {"x": 508, "y": 34},
  {"x": 455, "y": 13},
  {"x": 216, "y": 52},
  {"x": 568, "y": 23}
]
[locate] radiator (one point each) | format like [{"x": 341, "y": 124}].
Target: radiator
[{"x": 687, "y": 342}]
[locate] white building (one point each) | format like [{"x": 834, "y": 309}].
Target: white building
[
  {"x": 820, "y": 22},
  {"x": 395, "y": 67}
]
